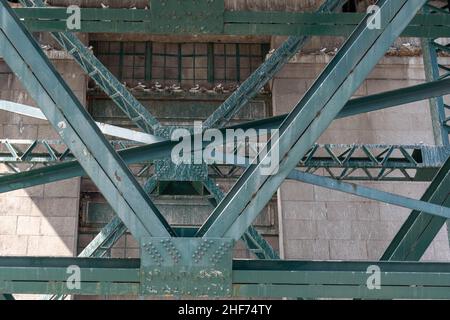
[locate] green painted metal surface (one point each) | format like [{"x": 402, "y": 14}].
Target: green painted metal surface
[
  {"x": 309, "y": 119},
  {"x": 419, "y": 230},
  {"x": 341, "y": 162},
  {"x": 219, "y": 22},
  {"x": 77, "y": 129},
  {"x": 305, "y": 279},
  {"x": 372, "y": 194},
  {"x": 190, "y": 16},
  {"x": 186, "y": 266},
  {"x": 253, "y": 240},
  {"x": 102, "y": 76},
  {"x": 65, "y": 171},
  {"x": 180, "y": 266},
  {"x": 262, "y": 75}
]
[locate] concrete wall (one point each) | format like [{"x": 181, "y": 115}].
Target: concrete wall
[
  {"x": 321, "y": 224},
  {"x": 42, "y": 220}
]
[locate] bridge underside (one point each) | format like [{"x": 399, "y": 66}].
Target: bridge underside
[{"x": 129, "y": 161}]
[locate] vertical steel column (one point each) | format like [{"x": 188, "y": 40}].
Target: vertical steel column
[
  {"x": 437, "y": 106},
  {"x": 430, "y": 50},
  {"x": 309, "y": 119}
]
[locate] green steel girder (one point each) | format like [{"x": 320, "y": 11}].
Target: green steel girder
[
  {"x": 435, "y": 71},
  {"x": 254, "y": 241},
  {"x": 107, "y": 129},
  {"x": 162, "y": 150},
  {"x": 315, "y": 280},
  {"x": 253, "y": 84},
  {"x": 77, "y": 129},
  {"x": 190, "y": 16},
  {"x": 229, "y": 23},
  {"x": 353, "y": 107},
  {"x": 258, "y": 245},
  {"x": 368, "y": 163},
  {"x": 250, "y": 278},
  {"x": 101, "y": 245},
  {"x": 102, "y": 76},
  {"x": 274, "y": 279},
  {"x": 186, "y": 267},
  {"x": 115, "y": 229},
  {"x": 369, "y": 103},
  {"x": 365, "y": 162},
  {"x": 372, "y": 194},
  {"x": 112, "y": 232},
  {"x": 438, "y": 107},
  {"x": 312, "y": 115},
  {"x": 421, "y": 228}
]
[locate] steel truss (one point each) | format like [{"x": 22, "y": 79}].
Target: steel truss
[
  {"x": 199, "y": 262},
  {"x": 341, "y": 162}
]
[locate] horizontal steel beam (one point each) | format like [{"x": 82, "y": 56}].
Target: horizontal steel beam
[
  {"x": 371, "y": 162},
  {"x": 375, "y": 102},
  {"x": 105, "y": 128},
  {"x": 234, "y": 23},
  {"x": 372, "y": 194},
  {"x": 364, "y": 162},
  {"x": 251, "y": 278},
  {"x": 162, "y": 150}
]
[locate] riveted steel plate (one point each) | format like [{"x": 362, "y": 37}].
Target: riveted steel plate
[
  {"x": 188, "y": 16},
  {"x": 186, "y": 266},
  {"x": 167, "y": 170}
]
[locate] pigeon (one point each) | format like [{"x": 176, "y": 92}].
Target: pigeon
[
  {"x": 140, "y": 87},
  {"x": 158, "y": 87},
  {"x": 195, "y": 89},
  {"x": 176, "y": 88},
  {"x": 46, "y": 47},
  {"x": 210, "y": 91},
  {"x": 219, "y": 88}
]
